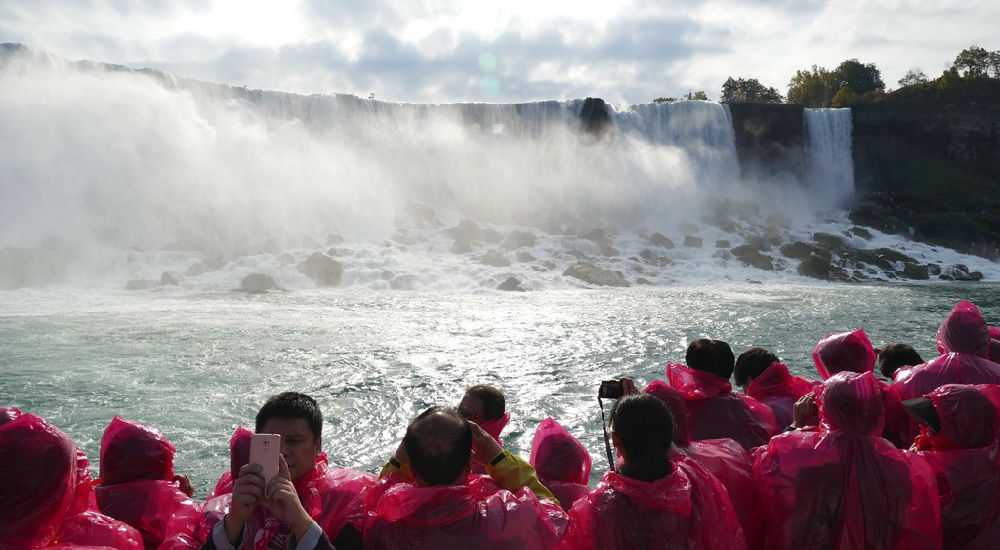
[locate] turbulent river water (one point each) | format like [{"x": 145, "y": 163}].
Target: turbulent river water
[{"x": 198, "y": 365}]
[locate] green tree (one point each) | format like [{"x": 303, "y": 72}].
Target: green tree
[
  {"x": 845, "y": 97},
  {"x": 995, "y": 64},
  {"x": 913, "y": 76},
  {"x": 700, "y": 94},
  {"x": 813, "y": 88},
  {"x": 859, "y": 77},
  {"x": 665, "y": 100},
  {"x": 748, "y": 90},
  {"x": 973, "y": 62}
]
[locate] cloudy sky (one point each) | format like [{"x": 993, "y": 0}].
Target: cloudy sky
[{"x": 440, "y": 51}]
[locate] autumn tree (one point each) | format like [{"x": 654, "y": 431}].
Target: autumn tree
[
  {"x": 748, "y": 90},
  {"x": 813, "y": 88}
]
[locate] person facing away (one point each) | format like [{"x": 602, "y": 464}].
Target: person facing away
[
  {"x": 40, "y": 487},
  {"x": 307, "y": 505},
  {"x": 137, "y": 482},
  {"x": 714, "y": 411},
  {"x": 427, "y": 498},
  {"x": 561, "y": 461},
  {"x": 844, "y": 351},
  {"x": 892, "y": 357},
  {"x": 958, "y": 440},
  {"x": 840, "y": 485},
  {"x": 652, "y": 501},
  {"x": 963, "y": 340},
  {"x": 486, "y": 406},
  {"x": 761, "y": 375}
]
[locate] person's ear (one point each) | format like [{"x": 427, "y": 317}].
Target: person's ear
[{"x": 318, "y": 446}]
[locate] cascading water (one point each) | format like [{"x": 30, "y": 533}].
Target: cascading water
[{"x": 828, "y": 153}]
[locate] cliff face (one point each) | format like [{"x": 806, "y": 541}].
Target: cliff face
[
  {"x": 769, "y": 138},
  {"x": 927, "y": 164}
]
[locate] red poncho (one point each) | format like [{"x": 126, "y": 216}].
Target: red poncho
[
  {"x": 714, "y": 411},
  {"x": 723, "y": 458},
  {"x": 843, "y": 486},
  {"x": 965, "y": 458},
  {"x": 477, "y": 514},
  {"x": 137, "y": 482},
  {"x": 688, "y": 508},
  {"x": 39, "y": 485},
  {"x": 561, "y": 462},
  {"x": 778, "y": 389},
  {"x": 239, "y": 455},
  {"x": 331, "y": 496},
  {"x": 963, "y": 339},
  {"x": 844, "y": 351}
]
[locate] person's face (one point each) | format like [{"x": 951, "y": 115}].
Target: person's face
[
  {"x": 471, "y": 408},
  {"x": 298, "y": 445}
]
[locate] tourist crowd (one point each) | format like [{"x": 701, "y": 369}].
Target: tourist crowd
[{"x": 849, "y": 461}]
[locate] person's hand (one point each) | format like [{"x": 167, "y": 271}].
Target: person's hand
[
  {"x": 628, "y": 387},
  {"x": 283, "y": 501},
  {"x": 484, "y": 447},
  {"x": 184, "y": 484},
  {"x": 248, "y": 492},
  {"x": 804, "y": 411}
]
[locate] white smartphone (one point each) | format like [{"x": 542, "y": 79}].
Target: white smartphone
[{"x": 264, "y": 450}]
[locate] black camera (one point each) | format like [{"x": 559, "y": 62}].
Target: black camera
[{"x": 611, "y": 389}]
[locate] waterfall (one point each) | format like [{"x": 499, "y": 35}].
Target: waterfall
[{"x": 828, "y": 154}]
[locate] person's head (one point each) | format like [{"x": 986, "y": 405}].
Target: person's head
[
  {"x": 964, "y": 331},
  {"x": 297, "y": 419},
  {"x": 678, "y": 409},
  {"x": 482, "y": 402},
  {"x": 751, "y": 364},
  {"x": 844, "y": 351},
  {"x": 130, "y": 451},
  {"x": 965, "y": 416},
  {"x": 852, "y": 402},
  {"x": 893, "y": 356},
  {"x": 712, "y": 356},
  {"x": 558, "y": 456},
  {"x": 642, "y": 431},
  {"x": 439, "y": 444}
]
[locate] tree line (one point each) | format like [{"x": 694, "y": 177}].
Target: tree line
[{"x": 851, "y": 82}]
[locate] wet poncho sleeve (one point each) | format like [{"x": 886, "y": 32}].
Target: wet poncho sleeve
[{"x": 512, "y": 472}]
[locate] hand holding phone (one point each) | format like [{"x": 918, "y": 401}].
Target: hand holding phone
[{"x": 264, "y": 451}]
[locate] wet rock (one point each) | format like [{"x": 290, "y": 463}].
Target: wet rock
[
  {"x": 687, "y": 227},
  {"x": 934, "y": 269},
  {"x": 916, "y": 271},
  {"x": 594, "y": 275},
  {"x": 722, "y": 253},
  {"x": 959, "y": 272},
  {"x": 654, "y": 258},
  {"x": 404, "y": 237},
  {"x": 420, "y": 212},
  {"x": 494, "y": 259},
  {"x": 406, "y": 281},
  {"x": 470, "y": 231},
  {"x": 513, "y": 284},
  {"x": 777, "y": 220},
  {"x": 819, "y": 267},
  {"x": 142, "y": 284},
  {"x": 171, "y": 278},
  {"x": 692, "y": 241},
  {"x": 524, "y": 256},
  {"x": 600, "y": 237},
  {"x": 659, "y": 240},
  {"x": 832, "y": 242},
  {"x": 286, "y": 258},
  {"x": 800, "y": 250},
  {"x": 860, "y": 232},
  {"x": 257, "y": 282},
  {"x": 518, "y": 239},
  {"x": 643, "y": 281},
  {"x": 322, "y": 269},
  {"x": 722, "y": 243},
  {"x": 751, "y": 256},
  {"x": 461, "y": 247},
  {"x": 198, "y": 268}
]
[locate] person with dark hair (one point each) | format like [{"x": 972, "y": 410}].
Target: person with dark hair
[
  {"x": 652, "y": 501},
  {"x": 427, "y": 498},
  {"x": 892, "y": 357},
  {"x": 713, "y": 409},
  {"x": 561, "y": 461},
  {"x": 844, "y": 351},
  {"x": 306, "y": 506},
  {"x": 762, "y": 376},
  {"x": 840, "y": 485},
  {"x": 138, "y": 484},
  {"x": 959, "y": 440},
  {"x": 963, "y": 339},
  {"x": 486, "y": 406},
  {"x": 724, "y": 458}
]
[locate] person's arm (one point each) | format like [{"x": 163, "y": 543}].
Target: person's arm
[{"x": 508, "y": 470}]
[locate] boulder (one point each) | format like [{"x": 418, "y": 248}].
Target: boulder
[
  {"x": 518, "y": 239},
  {"x": 524, "y": 256},
  {"x": 513, "y": 284},
  {"x": 470, "y": 231},
  {"x": 198, "y": 268},
  {"x": 142, "y": 284},
  {"x": 832, "y": 242},
  {"x": 860, "y": 232},
  {"x": 643, "y": 281},
  {"x": 819, "y": 267},
  {"x": 722, "y": 243},
  {"x": 594, "y": 275},
  {"x": 171, "y": 278},
  {"x": 916, "y": 271},
  {"x": 751, "y": 256},
  {"x": 659, "y": 240},
  {"x": 494, "y": 259},
  {"x": 960, "y": 272},
  {"x": 322, "y": 269},
  {"x": 600, "y": 237},
  {"x": 800, "y": 250},
  {"x": 894, "y": 256},
  {"x": 461, "y": 247},
  {"x": 654, "y": 258},
  {"x": 692, "y": 241},
  {"x": 257, "y": 282}
]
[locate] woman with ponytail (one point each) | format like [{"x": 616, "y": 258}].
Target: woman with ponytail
[{"x": 651, "y": 502}]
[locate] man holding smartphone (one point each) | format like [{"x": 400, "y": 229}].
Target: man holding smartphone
[{"x": 307, "y": 504}]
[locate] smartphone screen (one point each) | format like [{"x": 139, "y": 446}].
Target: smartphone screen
[{"x": 264, "y": 450}]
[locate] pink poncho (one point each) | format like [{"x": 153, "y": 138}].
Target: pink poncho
[
  {"x": 844, "y": 351},
  {"x": 561, "y": 462}
]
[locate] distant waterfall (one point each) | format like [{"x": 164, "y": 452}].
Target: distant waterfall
[{"x": 828, "y": 154}]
